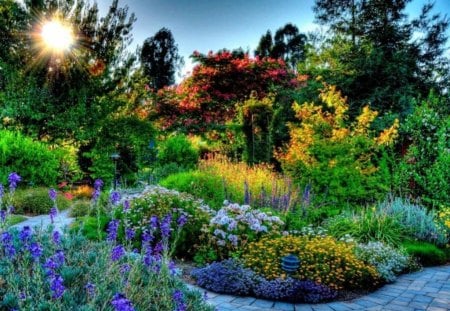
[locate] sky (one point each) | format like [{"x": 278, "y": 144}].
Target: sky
[{"x": 204, "y": 25}]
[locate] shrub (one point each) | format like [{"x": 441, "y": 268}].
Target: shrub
[
  {"x": 208, "y": 187},
  {"x": 44, "y": 271},
  {"x": 367, "y": 225},
  {"x": 177, "y": 149},
  {"x": 157, "y": 201},
  {"x": 234, "y": 226},
  {"x": 80, "y": 208},
  {"x": 226, "y": 277},
  {"x": 83, "y": 192},
  {"x": 36, "y": 201},
  {"x": 231, "y": 277},
  {"x": 33, "y": 160},
  {"x": 428, "y": 254},
  {"x": 419, "y": 222},
  {"x": 323, "y": 260},
  {"x": 387, "y": 260},
  {"x": 258, "y": 185}
]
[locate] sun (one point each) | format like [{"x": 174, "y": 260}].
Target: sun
[{"x": 56, "y": 36}]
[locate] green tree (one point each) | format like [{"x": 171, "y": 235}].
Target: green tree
[{"x": 160, "y": 59}]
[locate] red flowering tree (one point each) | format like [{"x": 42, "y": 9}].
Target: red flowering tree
[{"x": 209, "y": 98}]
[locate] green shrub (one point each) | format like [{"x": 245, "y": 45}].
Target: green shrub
[
  {"x": 419, "y": 222},
  {"x": 34, "y": 161},
  {"x": 201, "y": 185},
  {"x": 88, "y": 226},
  {"x": 159, "y": 202},
  {"x": 177, "y": 149},
  {"x": 366, "y": 226},
  {"x": 428, "y": 254},
  {"x": 80, "y": 208},
  {"x": 36, "y": 201}
]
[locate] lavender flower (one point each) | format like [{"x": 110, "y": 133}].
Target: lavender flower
[
  {"x": 159, "y": 248},
  {"x": 121, "y": 303},
  {"x": 51, "y": 265},
  {"x": 25, "y": 234},
  {"x": 59, "y": 257},
  {"x": 98, "y": 184},
  {"x": 97, "y": 189},
  {"x": 179, "y": 301},
  {"x": 52, "y": 194},
  {"x": 112, "y": 230},
  {"x": 56, "y": 237},
  {"x": 124, "y": 268},
  {"x": 129, "y": 234},
  {"x": 154, "y": 222},
  {"x": 22, "y": 296},
  {"x": 172, "y": 268},
  {"x": 182, "y": 220},
  {"x": 126, "y": 205},
  {"x": 117, "y": 253},
  {"x": 8, "y": 247},
  {"x": 165, "y": 226},
  {"x": 2, "y": 215},
  {"x": 13, "y": 179},
  {"x": 90, "y": 288},
  {"x": 147, "y": 237},
  {"x": 53, "y": 214},
  {"x": 148, "y": 258},
  {"x": 35, "y": 250},
  {"x": 57, "y": 286},
  {"x": 2, "y": 191},
  {"x": 114, "y": 197}
]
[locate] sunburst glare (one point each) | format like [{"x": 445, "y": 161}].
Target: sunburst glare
[{"x": 56, "y": 36}]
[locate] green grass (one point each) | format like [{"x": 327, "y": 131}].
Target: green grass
[
  {"x": 15, "y": 219},
  {"x": 428, "y": 254}
]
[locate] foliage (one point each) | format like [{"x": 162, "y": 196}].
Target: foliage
[
  {"x": 45, "y": 270},
  {"x": 15, "y": 219},
  {"x": 225, "y": 277},
  {"x": 160, "y": 59},
  {"x": 423, "y": 171},
  {"x": 426, "y": 253},
  {"x": 287, "y": 44},
  {"x": 158, "y": 202},
  {"x": 443, "y": 219},
  {"x": 80, "y": 208},
  {"x": 419, "y": 222},
  {"x": 34, "y": 160},
  {"x": 231, "y": 277},
  {"x": 367, "y": 225},
  {"x": 387, "y": 260},
  {"x": 206, "y": 100},
  {"x": 257, "y": 185},
  {"x": 344, "y": 163},
  {"x": 234, "y": 226},
  {"x": 36, "y": 201},
  {"x": 256, "y": 118},
  {"x": 209, "y": 188},
  {"x": 177, "y": 149},
  {"x": 323, "y": 260},
  {"x": 83, "y": 192}
]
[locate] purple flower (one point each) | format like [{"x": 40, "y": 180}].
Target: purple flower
[
  {"x": 56, "y": 237},
  {"x": 59, "y": 257},
  {"x": 182, "y": 220},
  {"x": 117, "y": 252},
  {"x": 13, "y": 179},
  {"x": 172, "y": 268},
  {"x": 129, "y": 234},
  {"x": 35, "y": 250},
  {"x": 154, "y": 222},
  {"x": 126, "y": 205},
  {"x": 8, "y": 247},
  {"x": 178, "y": 299},
  {"x": 51, "y": 265},
  {"x": 53, "y": 213},
  {"x": 148, "y": 258},
  {"x": 2, "y": 191},
  {"x": 22, "y": 296},
  {"x": 98, "y": 184},
  {"x": 165, "y": 226},
  {"x": 25, "y": 234},
  {"x": 124, "y": 268},
  {"x": 147, "y": 237},
  {"x": 90, "y": 288},
  {"x": 112, "y": 230},
  {"x": 114, "y": 197},
  {"x": 57, "y": 286},
  {"x": 52, "y": 194},
  {"x": 2, "y": 215},
  {"x": 121, "y": 303},
  {"x": 159, "y": 248}
]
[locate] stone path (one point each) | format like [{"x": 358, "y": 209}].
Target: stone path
[
  {"x": 62, "y": 220},
  {"x": 428, "y": 290}
]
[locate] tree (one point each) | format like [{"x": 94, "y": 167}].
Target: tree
[
  {"x": 288, "y": 44},
  {"x": 160, "y": 59},
  {"x": 375, "y": 56}
]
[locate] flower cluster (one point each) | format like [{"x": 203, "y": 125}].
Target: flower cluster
[
  {"x": 323, "y": 260},
  {"x": 231, "y": 277},
  {"x": 234, "y": 225}
]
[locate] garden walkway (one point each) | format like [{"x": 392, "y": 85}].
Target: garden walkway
[{"x": 428, "y": 289}]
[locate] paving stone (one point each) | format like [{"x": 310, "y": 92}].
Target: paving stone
[
  {"x": 303, "y": 307},
  {"x": 284, "y": 306},
  {"x": 261, "y": 303},
  {"x": 339, "y": 306},
  {"x": 244, "y": 301},
  {"x": 423, "y": 298}
]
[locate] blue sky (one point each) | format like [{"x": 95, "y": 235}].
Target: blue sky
[{"x": 205, "y": 25}]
